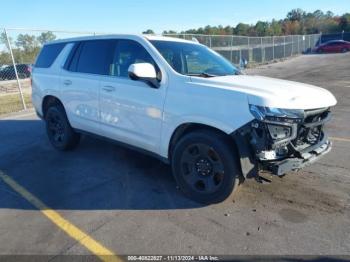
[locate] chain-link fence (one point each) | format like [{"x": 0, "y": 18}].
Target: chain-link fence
[
  {"x": 19, "y": 48},
  {"x": 255, "y": 49},
  {"x": 18, "y": 51}
]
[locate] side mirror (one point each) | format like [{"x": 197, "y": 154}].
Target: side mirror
[{"x": 144, "y": 72}]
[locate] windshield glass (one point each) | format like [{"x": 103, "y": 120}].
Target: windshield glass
[{"x": 194, "y": 59}]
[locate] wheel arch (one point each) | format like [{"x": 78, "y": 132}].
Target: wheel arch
[
  {"x": 238, "y": 143},
  {"x": 189, "y": 127},
  {"x": 48, "y": 101}
]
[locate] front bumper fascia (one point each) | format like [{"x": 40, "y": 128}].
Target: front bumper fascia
[
  {"x": 284, "y": 166},
  {"x": 253, "y": 141}
]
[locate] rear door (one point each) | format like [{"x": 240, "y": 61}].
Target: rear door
[{"x": 80, "y": 83}]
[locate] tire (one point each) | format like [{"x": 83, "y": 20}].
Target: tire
[
  {"x": 205, "y": 167},
  {"x": 345, "y": 50},
  {"x": 60, "y": 133}
]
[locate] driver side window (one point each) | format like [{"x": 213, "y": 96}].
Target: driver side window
[
  {"x": 197, "y": 63},
  {"x": 129, "y": 52}
]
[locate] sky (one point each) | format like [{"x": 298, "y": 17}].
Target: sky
[{"x": 135, "y": 16}]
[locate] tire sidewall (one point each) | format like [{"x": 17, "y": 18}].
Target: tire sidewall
[
  {"x": 59, "y": 111},
  {"x": 231, "y": 172}
]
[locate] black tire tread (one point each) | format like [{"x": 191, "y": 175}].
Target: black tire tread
[{"x": 72, "y": 137}]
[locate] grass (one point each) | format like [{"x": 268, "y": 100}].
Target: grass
[{"x": 12, "y": 103}]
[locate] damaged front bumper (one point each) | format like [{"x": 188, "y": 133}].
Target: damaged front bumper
[
  {"x": 281, "y": 147},
  {"x": 284, "y": 166}
]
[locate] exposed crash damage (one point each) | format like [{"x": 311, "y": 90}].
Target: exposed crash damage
[{"x": 282, "y": 140}]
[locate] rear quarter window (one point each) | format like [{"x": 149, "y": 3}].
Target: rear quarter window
[
  {"x": 48, "y": 55},
  {"x": 91, "y": 56}
]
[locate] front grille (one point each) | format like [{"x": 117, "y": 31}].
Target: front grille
[{"x": 310, "y": 132}]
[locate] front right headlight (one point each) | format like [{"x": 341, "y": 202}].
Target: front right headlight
[
  {"x": 281, "y": 123},
  {"x": 271, "y": 114}
]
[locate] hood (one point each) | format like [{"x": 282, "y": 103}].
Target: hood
[{"x": 271, "y": 92}]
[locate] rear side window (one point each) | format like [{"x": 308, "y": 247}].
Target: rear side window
[
  {"x": 92, "y": 57},
  {"x": 48, "y": 55}
]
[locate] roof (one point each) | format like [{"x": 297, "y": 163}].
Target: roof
[
  {"x": 166, "y": 38},
  {"x": 335, "y": 41},
  {"x": 116, "y": 36}
]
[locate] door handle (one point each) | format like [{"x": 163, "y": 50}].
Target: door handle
[
  {"x": 67, "y": 82},
  {"x": 108, "y": 88}
]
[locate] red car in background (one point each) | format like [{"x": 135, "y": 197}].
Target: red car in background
[{"x": 335, "y": 46}]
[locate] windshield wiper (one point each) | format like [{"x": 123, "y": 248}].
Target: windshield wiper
[{"x": 202, "y": 74}]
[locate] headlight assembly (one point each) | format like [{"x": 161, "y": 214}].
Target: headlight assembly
[
  {"x": 280, "y": 123},
  {"x": 271, "y": 114},
  {"x": 278, "y": 132}
]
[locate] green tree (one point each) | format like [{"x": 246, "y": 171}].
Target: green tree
[
  {"x": 297, "y": 21},
  {"x": 3, "y": 40},
  {"x": 261, "y": 28},
  {"x": 329, "y": 14},
  {"x": 296, "y": 15},
  {"x": 46, "y": 37},
  {"x": 242, "y": 29},
  {"x": 318, "y": 14},
  {"x": 27, "y": 42},
  {"x": 27, "y": 49},
  {"x": 275, "y": 28},
  {"x": 5, "y": 58},
  {"x": 344, "y": 22},
  {"x": 169, "y": 32},
  {"x": 148, "y": 32}
]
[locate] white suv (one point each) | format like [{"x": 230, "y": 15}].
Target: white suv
[{"x": 183, "y": 103}]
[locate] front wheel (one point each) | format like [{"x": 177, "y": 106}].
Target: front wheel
[
  {"x": 344, "y": 50},
  {"x": 205, "y": 166},
  {"x": 60, "y": 133}
]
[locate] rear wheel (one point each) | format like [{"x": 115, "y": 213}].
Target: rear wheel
[
  {"x": 344, "y": 50},
  {"x": 60, "y": 133},
  {"x": 205, "y": 167}
]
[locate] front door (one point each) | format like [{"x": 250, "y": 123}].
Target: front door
[{"x": 131, "y": 111}]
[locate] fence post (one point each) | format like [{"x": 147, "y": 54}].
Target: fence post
[
  {"x": 292, "y": 46},
  {"x": 250, "y": 51},
  {"x": 298, "y": 44},
  {"x": 262, "y": 51},
  {"x": 273, "y": 47},
  {"x": 210, "y": 41},
  {"x": 231, "y": 49},
  {"x": 284, "y": 47},
  {"x": 15, "y": 69},
  {"x": 310, "y": 42},
  {"x": 240, "y": 53}
]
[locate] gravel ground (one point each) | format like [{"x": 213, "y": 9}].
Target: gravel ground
[{"x": 130, "y": 204}]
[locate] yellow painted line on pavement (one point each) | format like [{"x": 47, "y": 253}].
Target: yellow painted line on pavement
[
  {"x": 340, "y": 139},
  {"x": 71, "y": 230}
]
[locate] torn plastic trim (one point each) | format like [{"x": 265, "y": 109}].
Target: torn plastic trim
[
  {"x": 280, "y": 168},
  {"x": 248, "y": 160}
]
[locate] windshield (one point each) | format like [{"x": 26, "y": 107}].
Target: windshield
[{"x": 194, "y": 60}]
